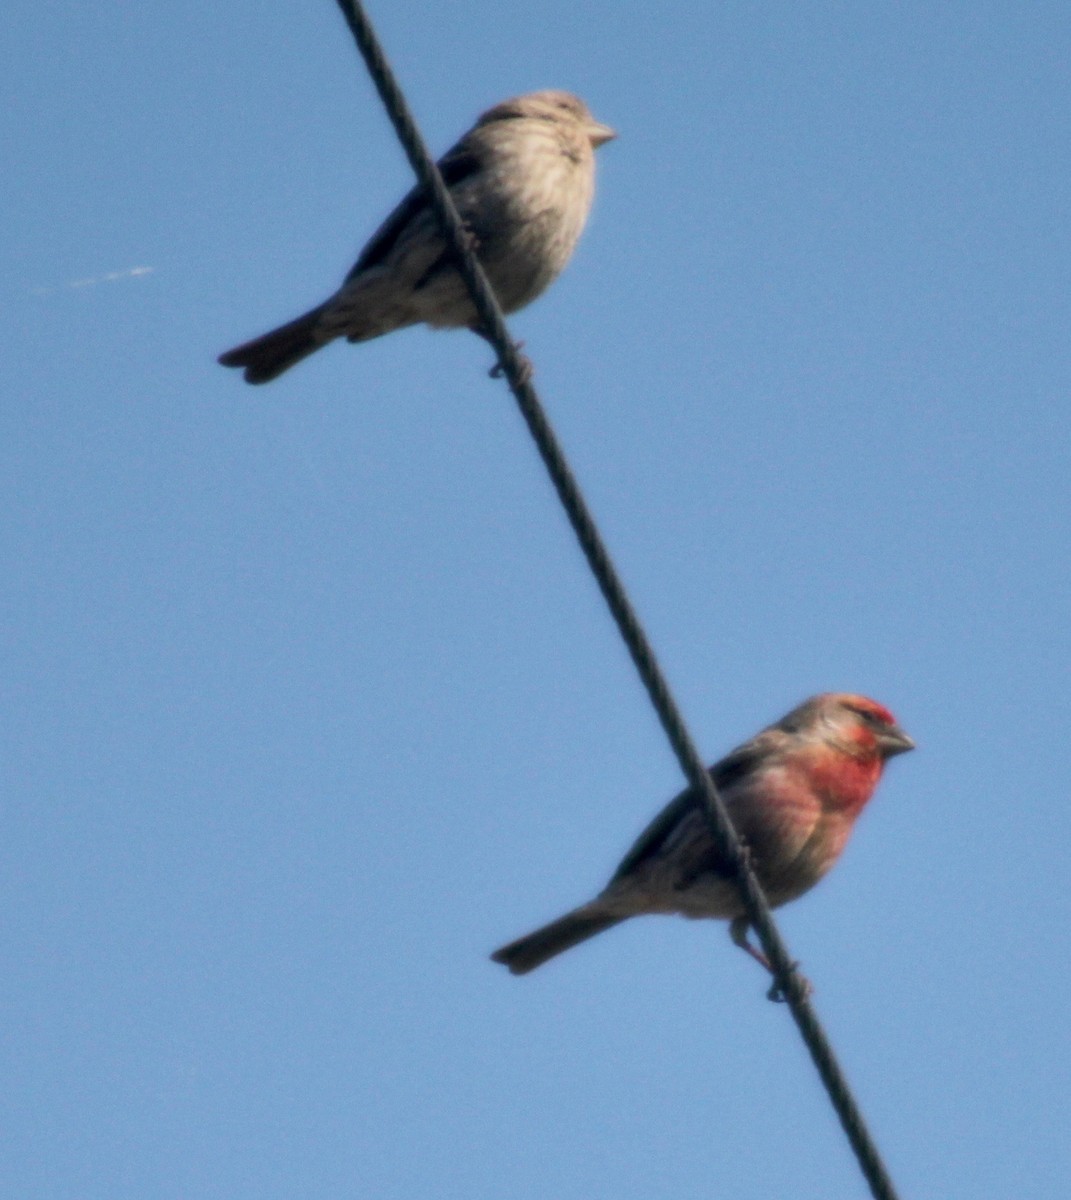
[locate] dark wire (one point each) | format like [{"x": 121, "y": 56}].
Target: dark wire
[{"x": 518, "y": 372}]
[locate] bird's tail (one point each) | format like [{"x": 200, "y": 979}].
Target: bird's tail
[
  {"x": 268, "y": 356},
  {"x": 527, "y": 953}
]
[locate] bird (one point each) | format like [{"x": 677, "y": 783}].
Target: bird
[
  {"x": 522, "y": 179},
  {"x": 793, "y": 794}
]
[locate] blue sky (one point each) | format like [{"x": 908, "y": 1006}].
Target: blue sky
[{"x": 309, "y": 701}]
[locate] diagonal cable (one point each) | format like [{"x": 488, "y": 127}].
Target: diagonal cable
[{"x": 518, "y": 374}]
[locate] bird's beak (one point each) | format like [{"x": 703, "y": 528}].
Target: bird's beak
[
  {"x": 894, "y": 741},
  {"x": 598, "y": 134}
]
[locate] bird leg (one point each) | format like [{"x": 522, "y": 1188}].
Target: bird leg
[
  {"x": 469, "y": 239},
  {"x": 738, "y": 932},
  {"x": 778, "y": 992},
  {"x": 472, "y": 243}
]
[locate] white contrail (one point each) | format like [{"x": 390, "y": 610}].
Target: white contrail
[{"x": 92, "y": 281}]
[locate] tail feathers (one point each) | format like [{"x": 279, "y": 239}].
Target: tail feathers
[
  {"x": 527, "y": 953},
  {"x": 268, "y": 356}
]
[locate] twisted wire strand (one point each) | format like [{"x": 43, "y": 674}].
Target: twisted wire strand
[{"x": 517, "y": 371}]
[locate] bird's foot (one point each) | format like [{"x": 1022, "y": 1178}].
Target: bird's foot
[
  {"x": 793, "y": 982},
  {"x": 526, "y": 371}
]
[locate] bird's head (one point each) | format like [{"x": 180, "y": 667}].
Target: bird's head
[
  {"x": 855, "y": 725},
  {"x": 561, "y": 108}
]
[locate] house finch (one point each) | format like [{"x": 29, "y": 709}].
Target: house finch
[
  {"x": 522, "y": 180},
  {"x": 793, "y": 793}
]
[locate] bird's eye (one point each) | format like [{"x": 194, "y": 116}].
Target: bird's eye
[{"x": 868, "y": 717}]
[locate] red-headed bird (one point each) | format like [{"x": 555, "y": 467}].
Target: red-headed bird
[
  {"x": 793, "y": 794},
  {"x": 522, "y": 180}
]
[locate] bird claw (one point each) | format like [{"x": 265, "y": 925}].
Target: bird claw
[
  {"x": 780, "y": 989},
  {"x": 526, "y": 372}
]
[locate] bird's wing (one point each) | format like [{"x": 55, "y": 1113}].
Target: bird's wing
[
  {"x": 725, "y": 773},
  {"x": 455, "y": 166}
]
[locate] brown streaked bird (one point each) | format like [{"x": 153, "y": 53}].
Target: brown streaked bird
[
  {"x": 522, "y": 179},
  {"x": 793, "y": 793}
]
